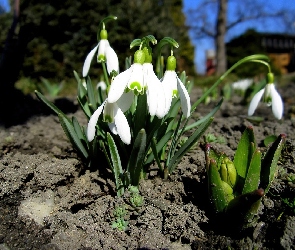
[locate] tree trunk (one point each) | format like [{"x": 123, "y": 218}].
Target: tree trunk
[
  {"x": 8, "y": 60},
  {"x": 221, "y": 65}
]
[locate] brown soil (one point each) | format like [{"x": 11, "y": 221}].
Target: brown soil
[{"x": 39, "y": 164}]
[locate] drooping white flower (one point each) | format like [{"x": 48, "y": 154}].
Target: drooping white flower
[
  {"x": 101, "y": 85},
  {"x": 105, "y": 54},
  {"x": 243, "y": 84},
  {"x": 154, "y": 91},
  {"x": 173, "y": 87},
  {"x": 113, "y": 113},
  {"x": 271, "y": 97},
  {"x": 132, "y": 79}
]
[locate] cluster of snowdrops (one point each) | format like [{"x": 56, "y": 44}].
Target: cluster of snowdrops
[{"x": 139, "y": 117}]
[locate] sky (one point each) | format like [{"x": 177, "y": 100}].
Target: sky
[
  {"x": 206, "y": 44},
  {"x": 270, "y": 26}
]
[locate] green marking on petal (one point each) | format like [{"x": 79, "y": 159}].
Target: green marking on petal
[
  {"x": 108, "y": 118},
  {"x": 136, "y": 87},
  {"x": 174, "y": 93},
  {"x": 101, "y": 58}
]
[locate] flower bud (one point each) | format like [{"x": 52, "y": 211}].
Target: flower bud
[
  {"x": 228, "y": 172},
  {"x": 231, "y": 174},
  {"x": 171, "y": 63},
  {"x": 148, "y": 54},
  {"x": 226, "y": 188},
  {"x": 228, "y": 191},
  {"x": 103, "y": 34},
  {"x": 223, "y": 172},
  {"x": 139, "y": 57}
]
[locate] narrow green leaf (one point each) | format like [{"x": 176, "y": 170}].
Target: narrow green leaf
[
  {"x": 216, "y": 192},
  {"x": 48, "y": 103},
  {"x": 79, "y": 130},
  {"x": 163, "y": 141},
  {"x": 163, "y": 128},
  {"x": 270, "y": 161},
  {"x": 141, "y": 114},
  {"x": 84, "y": 106},
  {"x": 116, "y": 165},
  {"x": 188, "y": 144},
  {"x": 244, "y": 152},
  {"x": 155, "y": 154},
  {"x": 242, "y": 208},
  {"x": 77, "y": 77},
  {"x": 71, "y": 133},
  {"x": 152, "y": 127},
  {"x": 269, "y": 139},
  {"x": 253, "y": 175},
  {"x": 135, "y": 164},
  {"x": 211, "y": 114},
  {"x": 91, "y": 95}
]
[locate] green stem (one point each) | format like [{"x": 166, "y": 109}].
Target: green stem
[
  {"x": 253, "y": 58},
  {"x": 105, "y": 74}
]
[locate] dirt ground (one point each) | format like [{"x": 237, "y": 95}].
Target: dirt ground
[{"x": 50, "y": 200}]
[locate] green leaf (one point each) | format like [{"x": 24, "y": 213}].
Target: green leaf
[
  {"x": 242, "y": 208},
  {"x": 79, "y": 130},
  {"x": 253, "y": 175},
  {"x": 135, "y": 164},
  {"x": 116, "y": 165},
  {"x": 155, "y": 154},
  {"x": 48, "y": 103},
  {"x": 159, "y": 146},
  {"x": 269, "y": 139},
  {"x": 141, "y": 114},
  {"x": 135, "y": 42},
  {"x": 216, "y": 191},
  {"x": 85, "y": 106},
  {"x": 78, "y": 79},
  {"x": 244, "y": 154},
  {"x": 270, "y": 161},
  {"x": 188, "y": 144},
  {"x": 211, "y": 114},
  {"x": 91, "y": 95},
  {"x": 72, "y": 135}
]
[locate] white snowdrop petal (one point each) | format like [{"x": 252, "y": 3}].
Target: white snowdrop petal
[
  {"x": 184, "y": 98},
  {"x": 161, "y": 106},
  {"x": 101, "y": 85},
  {"x": 88, "y": 60},
  {"x": 113, "y": 128},
  {"x": 103, "y": 45},
  {"x": 118, "y": 85},
  {"x": 92, "y": 122},
  {"x": 277, "y": 104},
  {"x": 125, "y": 101},
  {"x": 135, "y": 82},
  {"x": 152, "y": 83},
  {"x": 112, "y": 60},
  {"x": 167, "y": 83},
  {"x": 122, "y": 126},
  {"x": 254, "y": 102}
]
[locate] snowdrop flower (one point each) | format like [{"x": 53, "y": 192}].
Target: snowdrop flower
[
  {"x": 242, "y": 84},
  {"x": 101, "y": 85},
  {"x": 270, "y": 96},
  {"x": 140, "y": 78},
  {"x": 105, "y": 54},
  {"x": 131, "y": 79},
  {"x": 173, "y": 86},
  {"x": 154, "y": 91},
  {"x": 113, "y": 113}
]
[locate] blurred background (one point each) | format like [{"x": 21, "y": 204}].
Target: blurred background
[{"x": 49, "y": 39}]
